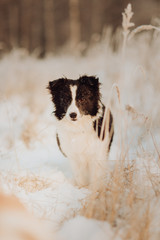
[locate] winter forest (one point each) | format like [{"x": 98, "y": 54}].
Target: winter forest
[
  {"x": 118, "y": 42},
  {"x": 44, "y": 26}
]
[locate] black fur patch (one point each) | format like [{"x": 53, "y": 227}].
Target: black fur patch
[
  {"x": 87, "y": 98},
  {"x": 59, "y": 145},
  {"x": 61, "y": 96},
  {"x": 98, "y": 127}
]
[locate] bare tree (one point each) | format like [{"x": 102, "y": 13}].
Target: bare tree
[
  {"x": 4, "y": 26},
  {"x": 49, "y": 25},
  {"x": 24, "y": 18},
  {"x": 13, "y": 9},
  {"x": 74, "y": 22},
  {"x": 37, "y": 34}
]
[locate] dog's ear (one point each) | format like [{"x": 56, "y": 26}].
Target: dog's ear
[
  {"x": 53, "y": 85},
  {"x": 90, "y": 80}
]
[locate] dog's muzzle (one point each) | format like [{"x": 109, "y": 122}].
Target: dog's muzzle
[{"x": 73, "y": 116}]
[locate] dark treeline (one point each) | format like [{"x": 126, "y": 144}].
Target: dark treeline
[{"x": 48, "y": 25}]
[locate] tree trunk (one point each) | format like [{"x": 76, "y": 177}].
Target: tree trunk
[
  {"x": 13, "y": 24},
  {"x": 74, "y": 23},
  {"x": 49, "y": 25}
]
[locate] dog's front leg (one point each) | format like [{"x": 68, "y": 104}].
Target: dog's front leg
[{"x": 80, "y": 169}]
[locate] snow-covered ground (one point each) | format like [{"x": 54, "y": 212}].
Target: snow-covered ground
[{"x": 31, "y": 165}]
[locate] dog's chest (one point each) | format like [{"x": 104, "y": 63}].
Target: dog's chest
[{"x": 76, "y": 138}]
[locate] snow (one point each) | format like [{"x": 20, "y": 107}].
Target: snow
[{"x": 86, "y": 229}]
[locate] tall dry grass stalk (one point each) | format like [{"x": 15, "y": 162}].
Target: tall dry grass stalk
[
  {"x": 126, "y": 24},
  {"x": 142, "y": 28}
]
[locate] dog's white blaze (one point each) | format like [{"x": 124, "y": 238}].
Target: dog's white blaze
[{"x": 73, "y": 108}]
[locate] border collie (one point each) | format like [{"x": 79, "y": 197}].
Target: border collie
[{"x": 82, "y": 125}]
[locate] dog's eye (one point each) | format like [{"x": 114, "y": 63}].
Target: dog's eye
[
  {"x": 65, "y": 99},
  {"x": 85, "y": 96},
  {"x": 91, "y": 98},
  {"x": 81, "y": 99},
  {"x": 61, "y": 99},
  {"x": 81, "y": 96}
]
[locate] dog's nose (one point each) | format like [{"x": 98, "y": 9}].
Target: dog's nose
[{"x": 73, "y": 115}]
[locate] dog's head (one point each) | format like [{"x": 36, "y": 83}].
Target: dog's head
[{"x": 75, "y": 98}]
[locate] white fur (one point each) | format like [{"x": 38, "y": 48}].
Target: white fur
[
  {"x": 73, "y": 108},
  {"x": 86, "y": 152}
]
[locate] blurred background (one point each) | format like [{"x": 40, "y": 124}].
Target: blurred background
[{"x": 48, "y": 26}]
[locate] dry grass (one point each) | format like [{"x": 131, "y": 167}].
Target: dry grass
[
  {"x": 32, "y": 183},
  {"x": 123, "y": 203},
  {"x": 29, "y": 133}
]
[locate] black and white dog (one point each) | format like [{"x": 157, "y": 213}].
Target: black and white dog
[{"x": 80, "y": 122}]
